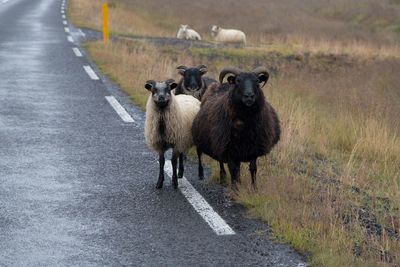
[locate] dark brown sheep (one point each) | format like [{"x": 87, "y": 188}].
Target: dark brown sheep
[
  {"x": 193, "y": 82},
  {"x": 235, "y": 124}
]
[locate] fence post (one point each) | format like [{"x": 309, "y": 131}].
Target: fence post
[{"x": 104, "y": 9}]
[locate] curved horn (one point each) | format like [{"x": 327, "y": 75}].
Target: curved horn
[
  {"x": 182, "y": 69},
  {"x": 202, "y": 69},
  {"x": 230, "y": 70},
  {"x": 262, "y": 70}
]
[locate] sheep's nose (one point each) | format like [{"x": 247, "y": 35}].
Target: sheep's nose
[
  {"x": 193, "y": 87},
  {"x": 161, "y": 98},
  {"x": 249, "y": 95}
]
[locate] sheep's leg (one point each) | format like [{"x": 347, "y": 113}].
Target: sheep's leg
[
  {"x": 181, "y": 168},
  {"x": 253, "y": 172},
  {"x": 201, "y": 169},
  {"x": 161, "y": 171},
  {"x": 234, "y": 170},
  {"x": 222, "y": 173},
  {"x": 174, "y": 161}
]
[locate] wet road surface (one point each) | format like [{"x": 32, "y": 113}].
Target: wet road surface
[{"x": 77, "y": 183}]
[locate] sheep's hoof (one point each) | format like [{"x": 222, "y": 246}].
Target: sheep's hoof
[
  {"x": 254, "y": 187},
  {"x": 201, "y": 177},
  {"x": 175, "y": 185},
  {"x": 180, "y": 175},
  {"x": 222, "y": 180},
  {"x": 235, "y": 186},
  {"x": 159, "y": 185}
]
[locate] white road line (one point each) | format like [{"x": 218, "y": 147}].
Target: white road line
[
  {"x": 213, "y": 219},
  {"x": 65, "y": 22},
  {"x": 62, "y": 11},
  {"x": 77, "y": 52},
  {"x": 82, "y": 33},
  {"x": 63, "y": 16},
  {"x": 119, "y": 109},
  {"x": 70, "y": 39},
  {"x": 91, "y": 73},
  {"x": 66, "y": 29}
]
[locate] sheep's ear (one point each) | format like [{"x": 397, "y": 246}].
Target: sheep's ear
[
  {"x": 171, "y": 83},
  {"x": 263, "y": 78},
  {"x": 149, "y": 85},
  {"x": 202, "y": 69},
  {"x": 181, "y": 70},
  {"x": 231, "y": 79}
]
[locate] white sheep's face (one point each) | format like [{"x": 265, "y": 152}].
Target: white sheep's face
[
  {"x": 214, "y": 30},
  {"x": 161, "y": 91},
  {"x": 184, "y": 27}
]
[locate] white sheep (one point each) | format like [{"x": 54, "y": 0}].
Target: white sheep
[
  {"x": 185, "y": 32},
  {"x": 228, "y": 36},
  {"x": 168, "y": 125}
]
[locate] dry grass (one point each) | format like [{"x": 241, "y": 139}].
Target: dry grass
[
  {"x": 333, "y": 161},
  {"x": 331, "y": 188},
  {"x": 335, "y": 20},
  {"x": 123, "y": 19},
  {"x": 302, "y": 44},
  {"x": 308, "y": 27}
]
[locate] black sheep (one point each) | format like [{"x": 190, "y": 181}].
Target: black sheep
[
  {"x": 235, "y": 124},
  {"x": 193, "y": 82}
]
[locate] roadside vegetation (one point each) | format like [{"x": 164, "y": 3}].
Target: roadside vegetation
[{"x": 331, "y": 188}]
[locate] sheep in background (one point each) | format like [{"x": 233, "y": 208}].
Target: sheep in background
[
  {"x": 235, "y": 124},
  {"x": 193, "y": 82},
  {"x": 185, "y": 32},
  {"x": 168, "y": 125},
  {"x": 228, "y": 36}
]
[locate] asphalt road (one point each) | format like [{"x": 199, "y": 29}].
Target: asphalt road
[{"x": 77, "y": 183}]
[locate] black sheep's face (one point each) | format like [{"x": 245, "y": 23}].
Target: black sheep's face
[
  {"x": 247, "y": 87},
  {"x": 161, "y": 91},
  {"x": 192, "y": 80}
]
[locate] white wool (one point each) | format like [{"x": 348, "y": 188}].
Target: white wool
[
  {"x": 228, "y": 35},
  {"x": 185, "y": 32},
  {"x": 178, "y": 117}
]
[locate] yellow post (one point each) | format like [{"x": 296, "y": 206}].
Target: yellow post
[{"x": 104, "y": 9}]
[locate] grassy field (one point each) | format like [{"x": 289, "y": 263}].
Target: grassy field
[{"x": 331, "y": 188}]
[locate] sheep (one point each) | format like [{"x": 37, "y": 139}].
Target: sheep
[
  {"x": 168, "y": 125},
  {"x": 228, "y": 36},
  {"x": 185, "y": 32},
  {"x": 193, "y": 82},
  {"x": 235, "y": 123}
]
